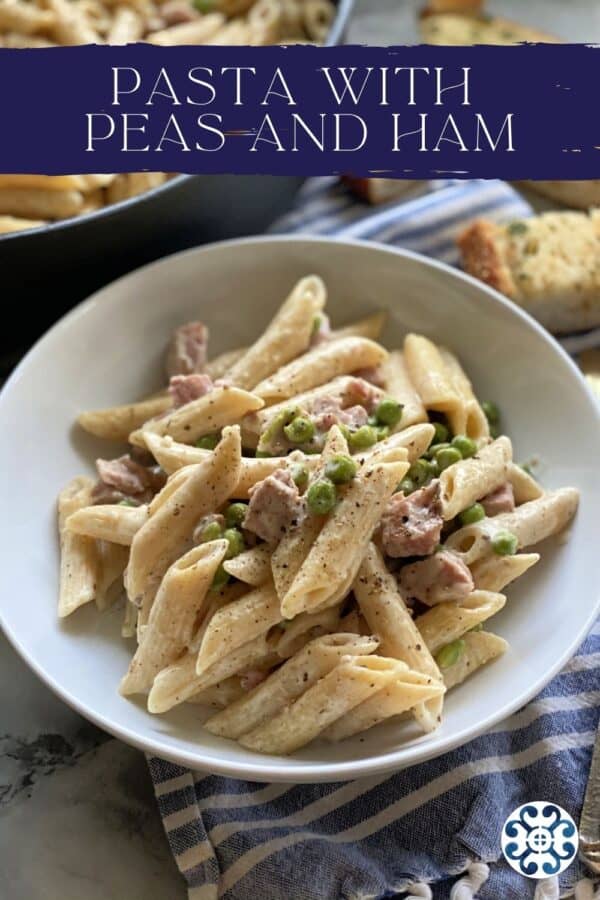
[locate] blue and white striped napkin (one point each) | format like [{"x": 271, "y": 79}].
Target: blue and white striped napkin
[{"x": 431, "y": 832}]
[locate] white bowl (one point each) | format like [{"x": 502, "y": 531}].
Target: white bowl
[{"x": 109, "y": 350}]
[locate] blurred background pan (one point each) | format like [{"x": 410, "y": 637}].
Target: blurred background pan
[{"x": 47, "y": 270}]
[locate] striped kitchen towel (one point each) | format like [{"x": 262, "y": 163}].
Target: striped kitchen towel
[{"x": 432, "y": 831}]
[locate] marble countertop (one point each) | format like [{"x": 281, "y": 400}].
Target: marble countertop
[{"x": 77, "y": 813}]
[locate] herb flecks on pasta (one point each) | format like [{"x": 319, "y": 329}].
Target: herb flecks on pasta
[{"x": 309, "y": 532}]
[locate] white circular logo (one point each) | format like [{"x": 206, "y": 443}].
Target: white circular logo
[{"x": 539, "y": 839}]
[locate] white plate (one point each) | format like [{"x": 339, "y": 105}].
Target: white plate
[{"x": 109, "y": 351}]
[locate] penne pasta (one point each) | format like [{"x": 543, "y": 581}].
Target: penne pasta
[
  {"x": 252, "y": 566},
  {"x": 531, "y": 523},
  {"x": 411, "y": 691},
  {"x": 468, "y": 418},
  {"x": 369, "y": 327},
  {"x": 494, "y": 573},
  {"x": 178, "y": 682},
  {"x": 399, "y": 386},
  {"x": 172, "y": 456},
  {"x": 25, "y": 18},
  {"x": 447, "y": 622},
  {"x": 9, "y": 224},
  {"x": 70, "y": 25},
  {"x": 296, "y": 542},
  {"x": 317, "y": 659},
  {"x": 219, "y": 695},
  {"x": 415, "y": 440},
  {"x": 40, "y": 203},
  {"x": 167, "y": 533},
  {"x": 178, "y": 607},
  {"x": 112, "y": 560},
  {"x": 127, "y": 26},
  {"x": 480, "y": 648},
  {"x": 319, "y": 366},
  {"x": 525, "y": 488},
  {"x": 108, "y": 522},
  {"x": 471, "y": 479},
  {"x": 220, "y": 365},
  {"x": 117, "y": 422},
  {"x": 328, "y": 571},
  {"x": 199, "y": 31},
  {"x": 429, "y": 375},
  {"x": 388, "y": 618},
  {"x": 351, "y": 682},
  {"x": 237, "y": 623},
  {"x": 306, "y": 626},
  {"x": 286, "y": 336},
  {"x": 224, "y": 405},
  {"x": 79, "y": 560}
]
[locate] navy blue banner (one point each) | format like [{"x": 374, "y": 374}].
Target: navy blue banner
[{"x": 527, "y": 111}]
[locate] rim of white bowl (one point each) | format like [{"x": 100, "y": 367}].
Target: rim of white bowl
[{"x": 308, "y": 771}]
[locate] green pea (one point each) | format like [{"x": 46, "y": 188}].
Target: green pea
[
  {"x": 204, "y": 6},
  {"x": 466, "y": 446},
  {"x": 316, "y": 324},
  {"x": 341, "y": 469},
  {"x": 126, "y": 502},
  {"x": 211, "y": 532},
  {"x": 478, "y": 627},
  {"x": 435, "y": 448},
  {"x": 383, "y": 431},
  {"x": 505, "y": 543},
  {"x": 491, "y": 411},
  {"x": 363, "y": 437},
  {"x": 472, "y": 514},
  {"x": 321, "y": 497},
  {"x": 434, "y": 468},
  {"x": 450, "y": 654},
  {"x": 220, "y": 580},
  {"x": 441, "y": 433},
  {"x": 388, "y": 412},
  {"x": 262, "y": 454},
  {"x": 300, "y": 430},
  {"x": 299, "y": 474},
  {"x": 277, "y": 423},
  {"x": 447, "y": 457},
  {"x": 235, "y": 539},
  {"x": 494, "y": 431},
  {"x": 407, "y": 486},
  {"x": 235, "y": 514},
  {"x": 207, "y": 441},
  {"x": 420, "y": 472}
]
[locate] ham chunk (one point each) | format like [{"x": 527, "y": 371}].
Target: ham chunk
[
  {"x": 186, "y": 354},
  {"x": 328, "y": 411},
  {"x": 275, "y": 505},
  {"x": 176, "y": 12},
  {"x": 185, "y": 388},
  {"x": 499, "y": 501},
  {"x": 411, "y": 526},
  {"x": 126, "y": 479},
  {"x": 437, "y": 579}
]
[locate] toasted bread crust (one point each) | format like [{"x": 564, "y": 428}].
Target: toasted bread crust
[
  {"x": 377, "y": 190},
  {"x": 483, "y": 257},
  {"x": 468, "y": 7}
]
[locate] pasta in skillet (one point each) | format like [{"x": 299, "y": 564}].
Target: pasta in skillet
[{"x": 304, "y": 539}]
